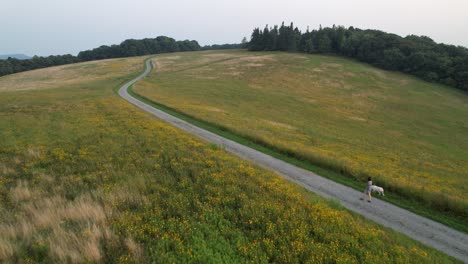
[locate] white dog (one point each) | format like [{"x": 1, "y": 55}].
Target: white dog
[{"x": 377, "y": 189}]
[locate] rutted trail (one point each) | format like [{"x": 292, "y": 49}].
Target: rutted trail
[{"x": 441, "y": 237}]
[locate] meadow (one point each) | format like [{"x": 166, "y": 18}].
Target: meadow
[
  {"x": 410, "y": 136},
  {"x": 87, "y": 178}
]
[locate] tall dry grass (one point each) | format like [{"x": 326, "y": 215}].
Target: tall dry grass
[{"x": 72, "y": 231}]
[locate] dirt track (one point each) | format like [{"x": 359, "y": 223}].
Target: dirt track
[{"x": 433, "y": 234}]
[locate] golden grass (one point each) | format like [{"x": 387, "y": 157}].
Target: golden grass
[
  {"x": 44, "y": 213},
  {"x": 278, "y": 124},
  {"x": 134, "y": 248},
  {"x": 6, "y": 249},
  {"x": 5, "y": 170},
  {"x": 20, "y": 193},
  {"x": 69, "y": 75}
]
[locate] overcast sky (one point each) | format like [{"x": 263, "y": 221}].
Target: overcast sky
[{"x": 45, "y": 27}]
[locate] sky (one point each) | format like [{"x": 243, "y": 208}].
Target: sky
[{"x": 55, "y": 27}]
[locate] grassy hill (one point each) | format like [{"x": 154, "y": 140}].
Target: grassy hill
[
  {"x": 86, "y": 177},
  {"x": 409, "y": 135}
]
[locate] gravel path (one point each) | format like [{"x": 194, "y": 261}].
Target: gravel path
[{"x": 433, "y": 234}]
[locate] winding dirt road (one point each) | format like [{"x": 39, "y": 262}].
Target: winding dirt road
[{"x": 433, "y": 234}]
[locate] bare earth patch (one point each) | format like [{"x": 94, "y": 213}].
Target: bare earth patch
[
  {"x": 310, "y": 100},
  {"x": 172, "y": 57},
  {"x": 250, "y": 59},
  {"x": 254, "y": 64},
  {"x": 357, "y": 118},
  {"x": 333, "y": 65},
  {"x": 278, "y": 124},
  {"x": 219, "y": 56},
  {"x": 206, "y": 77},
  {"x": 215, "y": 109},
  {"x": 349, "y": 74},
  {"x": 234, "y": 73},
  {"x": 209, "y": 108}
]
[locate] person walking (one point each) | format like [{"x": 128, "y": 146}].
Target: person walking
[{"x": 368, "y": 189}]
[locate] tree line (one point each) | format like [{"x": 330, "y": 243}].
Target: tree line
[
  {"x": 128, "y": 48},
  {"x": 416, "y": 55},
  {"x": 243, "y": 45},
  {"x": 224, "y": 46}
]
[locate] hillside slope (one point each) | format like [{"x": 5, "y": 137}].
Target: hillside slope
[
  {"x": 409, "y": 135},
  {"x": 86, "y": 177}
]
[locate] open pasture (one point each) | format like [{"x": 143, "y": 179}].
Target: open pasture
[
  {"x": 409, "y": 135},
  {"x": 85, "y": 177}
]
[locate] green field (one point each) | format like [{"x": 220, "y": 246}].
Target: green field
[
  {"x": 86, "y": 177},
  {"x": 409, "y": 135}
]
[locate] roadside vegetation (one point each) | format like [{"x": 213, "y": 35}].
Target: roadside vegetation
[
  {"x": 409, "y": 135},
  {"x": 86, "y": 177}
]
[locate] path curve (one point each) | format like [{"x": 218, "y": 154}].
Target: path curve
[{"x": 428, "y": 232}]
